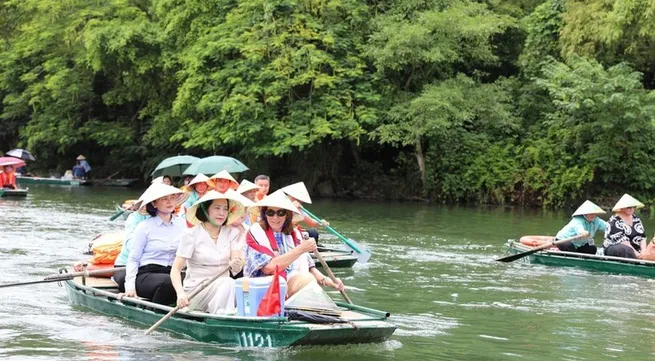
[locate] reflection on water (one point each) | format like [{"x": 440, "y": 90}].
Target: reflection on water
[{"x": 433, "y": 268}]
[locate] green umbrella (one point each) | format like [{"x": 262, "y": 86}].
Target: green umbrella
[
  {"x": 173, "y": 166},
  {"x": 214, "y": 164}
]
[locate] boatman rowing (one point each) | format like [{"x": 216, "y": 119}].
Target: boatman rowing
[{"x": 585, "y": 220}]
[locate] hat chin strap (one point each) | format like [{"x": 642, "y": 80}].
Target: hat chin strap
[{"x": 211, "y": 221}]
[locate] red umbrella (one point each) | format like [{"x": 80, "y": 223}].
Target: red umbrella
[{"x": 11, "y": 161}]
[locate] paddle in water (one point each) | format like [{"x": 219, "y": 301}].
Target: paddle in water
[
  {"x": 193, "y": 294},
  {"x": 65, "y": 277},
  {"x": 514, "y": 257},
  {"x": 363, "y": 254}
]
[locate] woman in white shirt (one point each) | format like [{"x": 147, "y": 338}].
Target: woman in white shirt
[
  {"x": 153, "y": 245},
  {"x": 209, "y": 248}
]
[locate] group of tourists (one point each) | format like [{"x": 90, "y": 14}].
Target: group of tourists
[
  {"x": 213, "y": 225},
  {"x": 624, "y": 234}
]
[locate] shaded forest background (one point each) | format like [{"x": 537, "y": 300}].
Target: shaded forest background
[{"x": 499, "y": 101}]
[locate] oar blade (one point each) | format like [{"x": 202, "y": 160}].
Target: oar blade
[
  {"x": 514, "y": 257},
  {"x": 363, "y": 254}
]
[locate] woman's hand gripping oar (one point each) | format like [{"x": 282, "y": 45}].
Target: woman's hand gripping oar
[{"x": 331, "y": 275}]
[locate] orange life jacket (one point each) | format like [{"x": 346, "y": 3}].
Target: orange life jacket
[{"x": 7, "y": 179}]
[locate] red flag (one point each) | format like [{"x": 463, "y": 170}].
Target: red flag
[{"x": 270, "y": 304}]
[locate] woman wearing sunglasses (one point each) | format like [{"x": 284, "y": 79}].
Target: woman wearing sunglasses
[
  {"x": 625, "y": 235},
  {"x": 274, "y": 242}
]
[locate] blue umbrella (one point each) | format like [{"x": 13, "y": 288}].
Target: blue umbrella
[
  {"x": 21, "y": 153},
  {"x": 214, "y": 164},
  {"x": 173, "y": 166}
]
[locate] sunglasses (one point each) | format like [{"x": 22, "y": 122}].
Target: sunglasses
[{"x": 279, "y": 212}]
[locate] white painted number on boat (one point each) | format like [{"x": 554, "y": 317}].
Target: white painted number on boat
[{"x": 249, "y": 339}]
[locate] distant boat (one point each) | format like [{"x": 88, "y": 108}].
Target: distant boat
[
  {"x": 606, "y": 264},
  {"x": 50, "y": 181},
  {"x": 120, "y": 182},
  {"x": 4, "y": 192}
]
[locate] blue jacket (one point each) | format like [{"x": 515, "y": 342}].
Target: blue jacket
[{"x": 579, "y": 224}]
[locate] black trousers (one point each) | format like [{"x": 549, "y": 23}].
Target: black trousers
[
  {"x": 620, "y": 250},
  {"x": 119, "y": 277},
  {"x": 154, "y": 282},
  {"x": 313, "y": 233},
  {"x": 570, "y": 247}
]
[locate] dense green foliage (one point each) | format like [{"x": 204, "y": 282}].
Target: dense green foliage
[{"x": 504, "y": 101}]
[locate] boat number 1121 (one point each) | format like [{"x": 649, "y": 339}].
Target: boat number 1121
[{"x": 249, "y": 339}]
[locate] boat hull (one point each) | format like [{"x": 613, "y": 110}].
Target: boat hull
[
  {"x": 50, "y": 181},
  {"x": 20, "y": 193},
  {"x": 336, "y": 258},
  {"x": 236, "y": 331},
  {"x": 123, "y": 182},
  {"x": 604, "y": 264}
]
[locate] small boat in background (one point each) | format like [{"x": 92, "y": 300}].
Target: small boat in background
[
  {"x": 120, "y": 182},
  {"x": 336, "y": 257},
  {"x": 5, "y": 192},
  {"x": 50, "y": 181}
]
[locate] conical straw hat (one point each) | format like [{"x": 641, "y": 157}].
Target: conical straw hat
[
  {"x": 246, "y": 186},
  {"x": 159, "y": 190},
  {"x": 627, "y": 201},
  {"x": 588, "y": 207},
  {"x": 200, "y": 178},
  {"x": 224, "y": 175},
  {"x": 159, "y": 179},
  {"x": 81, "y": 157},
  {"x": 298, "y": 191},
  {"x": 278, "y": 200},
  {"x": 237, "y": 204}
]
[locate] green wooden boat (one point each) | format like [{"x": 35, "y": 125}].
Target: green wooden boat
[
  {"x": 14, "y": 193},
  {"x": 51, "y": 181},
  {"x": 121, "y": 182},
  {"x": 609, "y": 264},
  {"x": 336, "y": 258},
  {"x": 364, "y": 325}
]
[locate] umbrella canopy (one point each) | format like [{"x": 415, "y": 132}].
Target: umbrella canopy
[
  {"x": 21, "y": 153},
  {"x": 173, "y": 166},
  {"x": 11, "y": 161},
  {"x": 215, "y": 164}
]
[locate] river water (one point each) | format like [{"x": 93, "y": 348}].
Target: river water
[{"x": 432, "y": 268}]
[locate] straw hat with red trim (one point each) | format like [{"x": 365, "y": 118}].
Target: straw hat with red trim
[
  {"x": 238, "y": 204},
  {"x": 298, "y": 191},
  {"x": 160, "y": 190},
  {"x": 278, "y": 200}
]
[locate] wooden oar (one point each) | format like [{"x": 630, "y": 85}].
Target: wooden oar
[
  {"x": 331, "y": 275},
  {"x": 65, "y": 277},
  {"x": 198, "y": 289},
  {"x": 514, "y": 257},
  {"x": 363, "y": 254}
]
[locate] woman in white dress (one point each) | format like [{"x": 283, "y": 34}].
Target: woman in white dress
[{"x": 210, "y": 247}]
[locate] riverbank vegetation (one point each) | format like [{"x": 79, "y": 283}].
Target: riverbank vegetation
[{"x": 498, "y": 101}]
